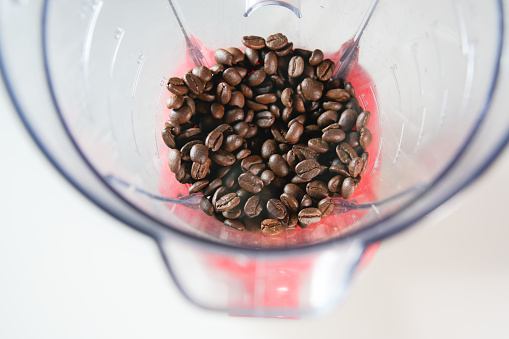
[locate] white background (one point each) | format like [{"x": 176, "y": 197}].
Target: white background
[{"x": 68, "y": 270}]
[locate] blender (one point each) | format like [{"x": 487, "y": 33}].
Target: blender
[{"x": 88, "y": 80}]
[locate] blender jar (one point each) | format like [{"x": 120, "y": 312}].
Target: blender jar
[{"x": 88, "y": 79}]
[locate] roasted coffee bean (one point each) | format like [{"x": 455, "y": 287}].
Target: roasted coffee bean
[
  {"x": 235, "y": 224},
  {"x": 253, "y": 41},
  {"x": 352, "y": 138},
  {"x": 214, "y": 140},
  {"x": 256, "y": 78},
  {"x": 310, "y": 215},
  {"x": 276, "y": 41},
  {"x": 203, "y": 73},
  {"x": 234, "y": 213},
  {"x": 364, "y": 157},
  {"x": 287, "y": 113},
  {"x": 227, "y": 202},
  {"x": 217, "y": 110},
  {"x": 223, "y": 57},
  {"x": 237, "y": 99},
  {"x": 365, "y": 137},
  {"x": 177, "y": 86},
  {"x": 233, "y": 115},
  {"x": 279, "y": 132},
  {"x": 336, "y": 83},
  {"x": 223, "y": 93},
  {"x": 183, "y": 176},
  {"x": 173, "y": 127},
  {"x": 231, "y": 76},
  {"x": 250, "y": 161},
  {"x": 206, "y": 206},
  {"x": 348, "y": 149},
  {"x": 290, "y": 202},
  {"x": 337, "y": 94},
  {"x": 267, "y": 176},
  {"x": 333, "y": 136},
  {"x": 303, "y": 152},
  {"x": 222, "y": 171},
  {"x": 347, "y": 188},
  {"x": 250, "y": 182},
  {"x": 243, "y": 194},
  {"x": 298, "y": 104},
  {"x": 291, "y": 159},
  {"x": 347, "y": 120},
  {"x": 219, "y": 193},
  {"x": 223, "y": 158},
  {"x": 253, "y": 207},
  {"x": 266, "y": 99},
  {"x": 334, "y": 184},
  {"x": 270, "y": 63},
  {"x": 252, "y": 56},
  {"x": 253, "y": 130},
  {"x": 272, "y": 227},
  {"x": 249, "y": 116},
  {"x": 326, "y": 206},
  {"x": 278, "y": 165},
  {"x": 275, "y": 110},
  {"x": 286, "y": 97},
  {"x": 318, "y": 145},
  {"x": 339, "y": 169},
  {"x": 294, "y": 191},
  {"x": 300, "y": 119},
  {"x": 355, "y": 167},
  {"x": 232, "y": 143},
  {"x": 256, "y": 106},
  {"x": 216, "y": 69},
  {"x": 296, "y": 66},
  {"x": 194, "y": 84},
  {"x": 269, "y": 148},
  {"x": 206, "y": 97},
  {"x": 224, "y": 128},
  {"x": 243, "y": 153},
  {"x": 238, "y": 55},
  {"x": 257, "y": 169},
  {"x": 174, "y": 101},
  {"x": 174, "y": 160},
  {"x": 241, "y": 128},
  {"x": 276, "y": 209},
  {"x": 362, "y": 120},
  {"x": 168, "y": 139},
  {"x": 316, "y": 57},
  {"x": 212, "y": 186},
  {"x": 200, "y": 171},
  {"x": 311, "y": 90},
  {"x": 312, "y": 130},
  {"x": 324, "y": 69},
  {"x": 264, "y": 119},
  {"x": 317, "y": 189},
  {"x": 181, "y": 115},
  {"x": 198, "y": 186},
  {"x": 306, "y": 201},
  {"x": 332, "y": 105},
  {"x": 307, "y": 169},
  {"x": 294, "y": 132},
  {"x": 199, "y": 153},
  {"x": 327, "y": 118}
]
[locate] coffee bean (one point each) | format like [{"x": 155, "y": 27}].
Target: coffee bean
[
  {"x": 272, "y": 227},
  {"x": 287, "y": 113},
  {"x": 212, "y": 186},
  {"x": 185, "y": 151},
  {"x": 256, "y": 78},
  {"x": 252, "y": 56},
  {"x": 316, "y": 57},
  {"x": 276, "y": 209},
  {"x": 333, "y": 136},
  {"x": 173, "y": 127},
  {"x": 206, "y": 206},
  {"x": 265, "y": 99},
  {"x": 235, "y": 224},
  {"x": 270, "y": 63},
  {"x": 324, "y": 69},
  {"x": 214, "y": 140},
  {"x": 294, "y": 191},
  {"x": 269, "y": 148},
  {"x": 264, "y": 119},
  {"x": 217, "y": 110},
  {"x": 310, "y": 215},
  {"x": 177, "y": 86},
  {"x": 327, "y": 118},
  {"x": 250, "y": 161},
  {"x": 224, "y": 128},
  {"x": 174, "y": 101},
  {"x": 253, "y": 41},
  {"x": 307, "y": 169},
  {"x": 336, "y": 83},
  {"x": 348, "y": 149},
  {"x": 267, "y": 176},
  {"x": 339, "y": 169},
  {"x": 194, "y": 84},
  {"x": 303, "y": 152},
  {"x": 199, "y": 153},
  {"x": 362, "y": 120},
  {"x": 203, "y": 73},
  {"x": 231, "y": 76},
  {"x": 332, "y": 105},
  {"x": 296, "y": 66},
  {"x": 279, "y": 132},
  {"x": 253, "y": 207},
  {"x": 326, "y": 206},
  {"x": 174, "y": 160},
  {"x": 285, "y": 50},
  {"x": 227, "y": 202},
  {"x": 250, "y": 182},
  {"x": 232, "y": 143},
  {"x": 337, "y": 94},
  {"x": 311, "y": 90},
  {"x": 181, "y": 115},
  {"x": 276, "y": 41},
  {"x": 312, "y": 130},
  {"x": 334, "y": 184},
  {"x": 286, "y": 97},
  {"x": 242, "y": 154},
  {"x": 278, "y": 165},
  {"x": 317, "y": 189},
  {"x": 355, "y": 167},
  {"x": 318, "y": 145},
  {"x": 365, "y": 137},
  {"x": 198, "y": 186},
  {"x": 347, "y": 188},
  {"x": 364, "y": 157},
  {"x": 168, "y": 139},
  {"x": 223, "y": 158},
  {"x": 223, "y": 93},
  {"x": 234, "y": 213},
  {"x": 294, "y": 132},
  {"x": 290, "y": 202},
  {"x": 256, "y": 169},
  {"x": 200, "y": 171},
  {"x": 352, "y": 138},
  {"x": 233, "y": 115},
  {"x": 223, "y": 57},
  {"x": 219, "y": 193},
  {"x": 306, "y": 201},
  {"x": 243, "y": 195}
]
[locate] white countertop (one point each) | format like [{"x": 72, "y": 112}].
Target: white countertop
[{"x": 69, "y": 270}]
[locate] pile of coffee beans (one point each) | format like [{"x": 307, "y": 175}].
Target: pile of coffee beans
[{"x": 266, "y": 135}]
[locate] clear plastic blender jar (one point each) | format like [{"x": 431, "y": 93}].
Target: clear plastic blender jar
[{"x": 88, "y": 79}]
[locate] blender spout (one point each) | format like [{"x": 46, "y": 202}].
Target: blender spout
[{"x": 292, "y": 5}]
